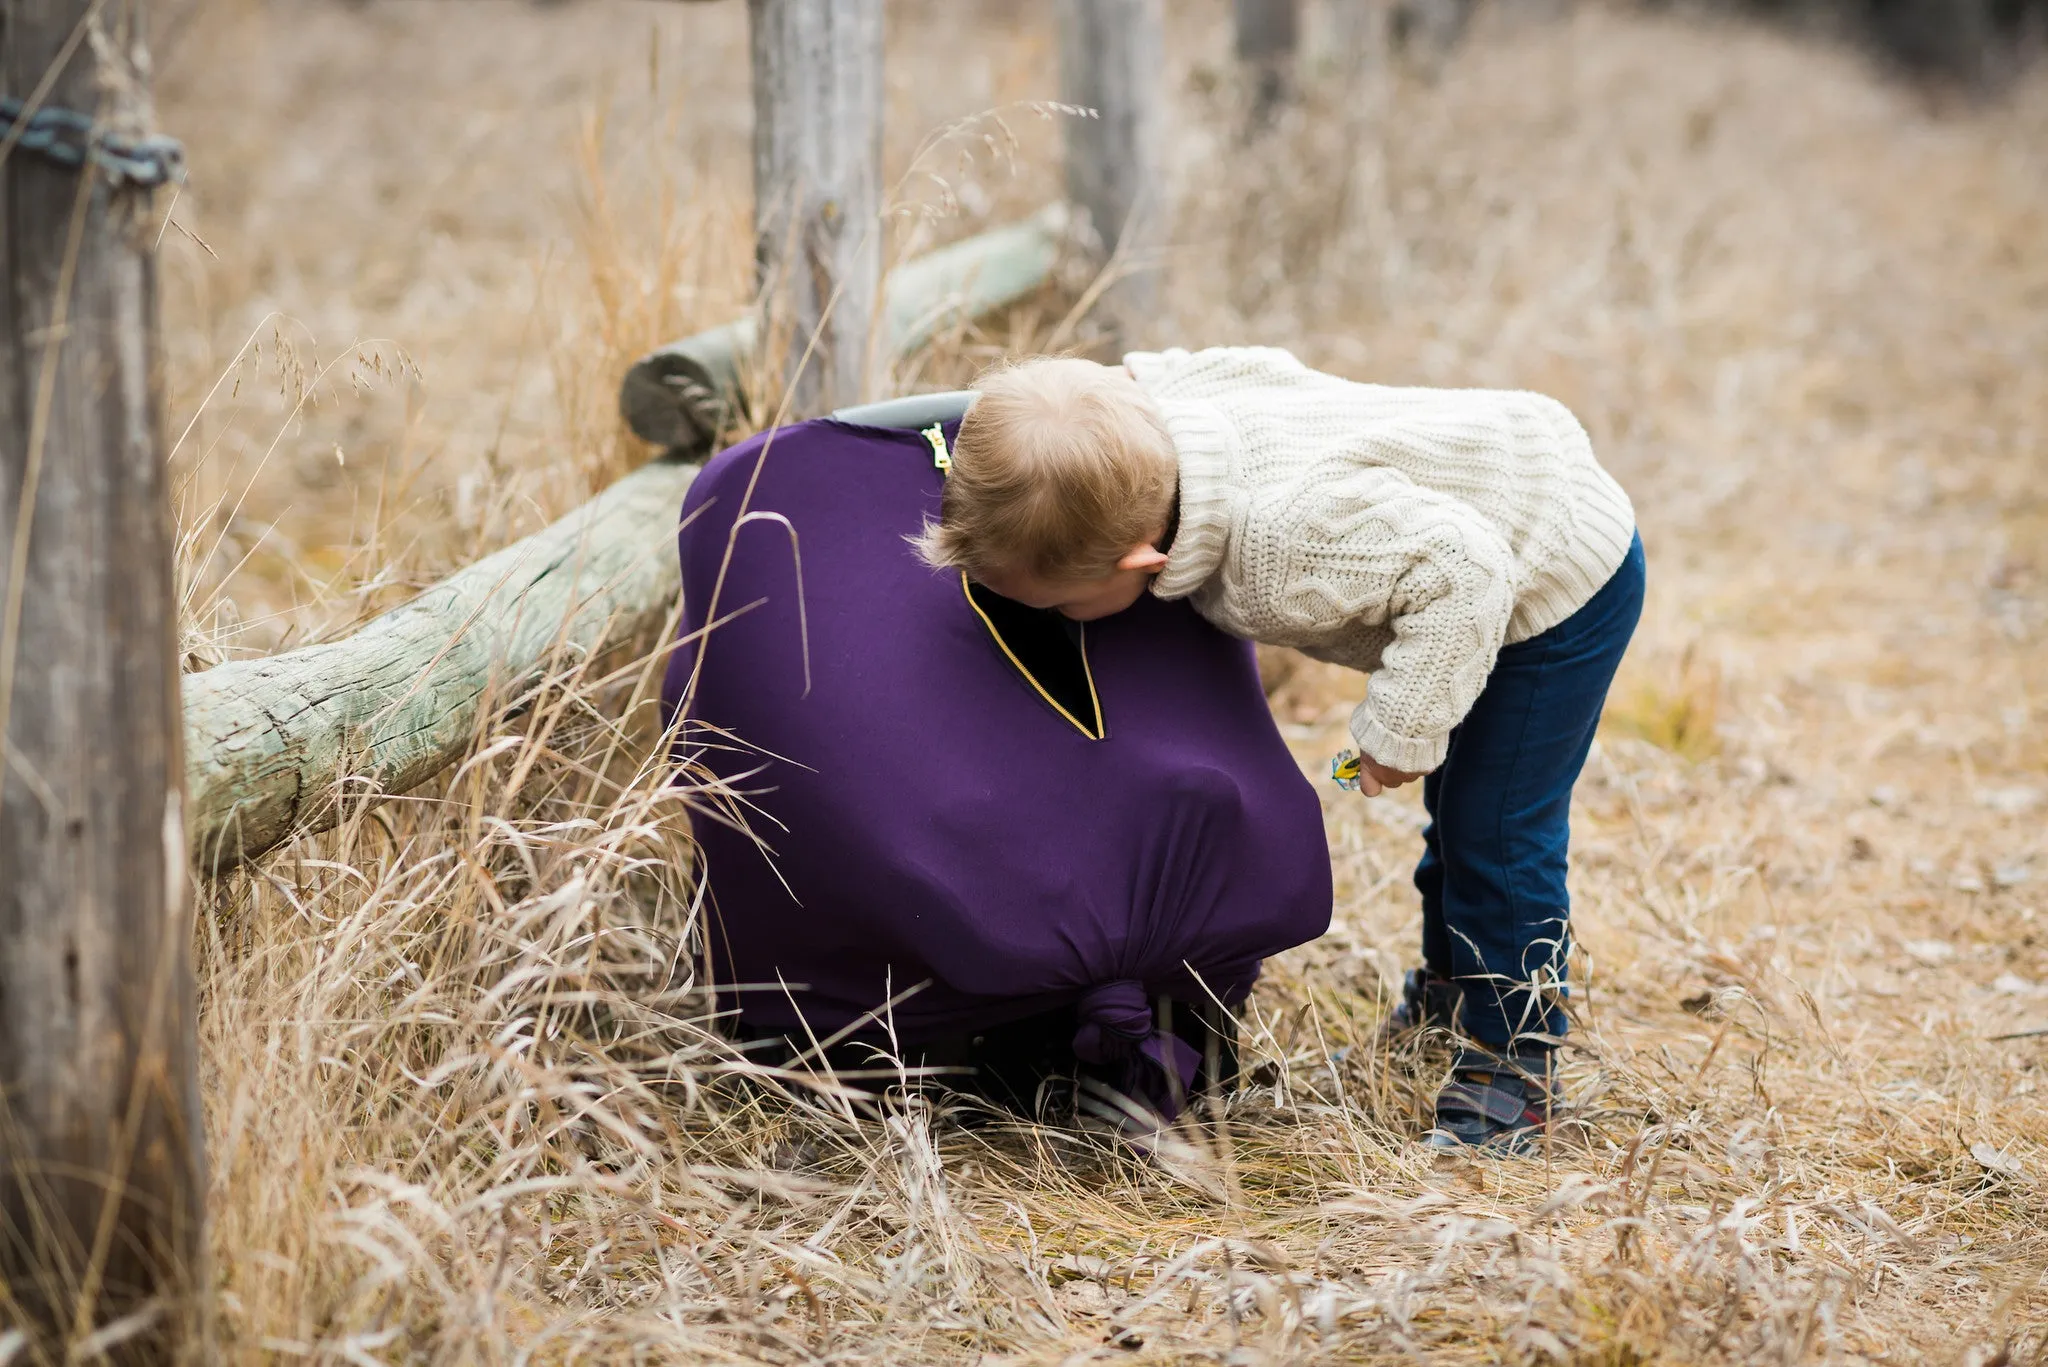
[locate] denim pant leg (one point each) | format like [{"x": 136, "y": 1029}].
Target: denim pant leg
[
  {"x": 1429, "y": 879},
  {"x": 1492, "y": 876}
]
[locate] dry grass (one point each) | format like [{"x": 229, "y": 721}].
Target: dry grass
[{"x": 461, "y": 1103}]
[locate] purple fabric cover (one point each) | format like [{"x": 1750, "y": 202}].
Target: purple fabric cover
[{"x": 932, "y": 820}]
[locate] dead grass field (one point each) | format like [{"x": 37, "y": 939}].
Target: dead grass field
[{"x": 461, "y": 1106}]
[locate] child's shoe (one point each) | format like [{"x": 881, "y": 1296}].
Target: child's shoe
[
  {"x": 1493, "y": 1103},
  {"x": 1427, "y": 1003}
]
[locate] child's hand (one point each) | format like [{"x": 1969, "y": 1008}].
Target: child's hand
[
  {"x": 1356, "y": 773},
  {"x": 1375, "y": 778}
]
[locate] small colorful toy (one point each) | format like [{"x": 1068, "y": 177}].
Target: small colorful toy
[{"x": 1346, "y": 767}]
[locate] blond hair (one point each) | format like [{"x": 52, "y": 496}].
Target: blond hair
[{"x": 1061, "y": 468}]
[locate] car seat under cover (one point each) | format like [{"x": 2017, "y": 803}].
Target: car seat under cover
[{"x": 934, "y": 810}]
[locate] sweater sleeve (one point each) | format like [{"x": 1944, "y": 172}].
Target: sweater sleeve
[{"x": 1425, "y": 573}]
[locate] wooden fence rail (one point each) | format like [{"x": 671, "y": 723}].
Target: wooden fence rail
[
  {"x": 684, "y": 394},
  {"x": 273, "y": 743}
]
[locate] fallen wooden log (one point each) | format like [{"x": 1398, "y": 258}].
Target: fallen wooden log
[
  {"x": 684, "y": 395},
  {"x": 276, "y": 747},
  {"x": 272, "y": 745}
]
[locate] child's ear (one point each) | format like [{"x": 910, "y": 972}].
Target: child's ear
[{"x": 1147, "y": 558}]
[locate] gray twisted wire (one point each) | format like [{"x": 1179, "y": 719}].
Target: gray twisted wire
[{"x": 69, "y": 139}]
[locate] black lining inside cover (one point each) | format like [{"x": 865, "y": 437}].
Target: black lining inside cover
[{"x": 1048, "y": 649}]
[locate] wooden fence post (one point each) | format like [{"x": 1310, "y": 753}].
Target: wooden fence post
[
  {"x": 1267, "y": 34},
  {"x": 101, "y": 1185},
  {"x": 1352, "y": 36},
  {"x": 817, "y": 189},
  {"x": 1427, "y": 30},
  {"x": 1112, "y": 61}
]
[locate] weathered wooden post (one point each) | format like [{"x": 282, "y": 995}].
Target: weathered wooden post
[
  {"x": 817, "y": 190},
  {"x": 1112, "y": 61},
  {"x": 1267, "y": 33},
  {"x": 1352, "y": 31},
  {"x": 1427, "y": 30},
  {"x": 100, "y": 1167}
]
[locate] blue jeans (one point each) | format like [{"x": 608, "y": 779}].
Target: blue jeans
[{"x": 1495, "y": 914}]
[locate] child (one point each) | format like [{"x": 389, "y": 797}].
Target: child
[{"x": 1463, "y": 547}]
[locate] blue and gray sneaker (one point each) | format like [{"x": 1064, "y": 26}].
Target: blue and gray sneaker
[{"x": 1493, "y": 1103}]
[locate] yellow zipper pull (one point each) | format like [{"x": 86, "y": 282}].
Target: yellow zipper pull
[{"x": 942, "y": 459}]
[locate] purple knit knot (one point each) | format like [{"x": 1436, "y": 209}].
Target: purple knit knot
[
  {"x": 1116, "y": 1017},
  {"x": 1150, "y": 1067}
]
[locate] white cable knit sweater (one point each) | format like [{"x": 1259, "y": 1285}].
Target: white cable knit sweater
[{"x": 1409, "y": 533}]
